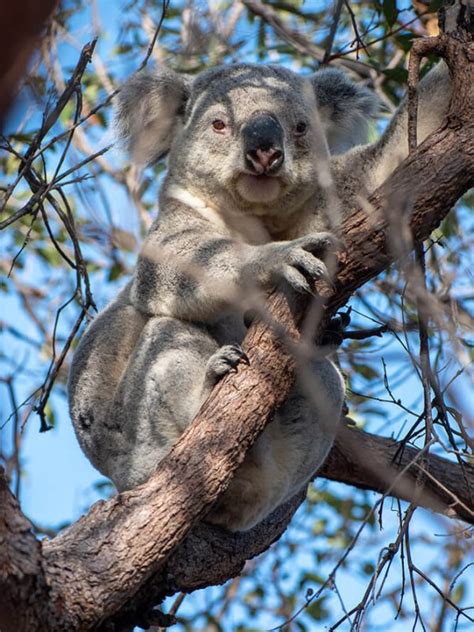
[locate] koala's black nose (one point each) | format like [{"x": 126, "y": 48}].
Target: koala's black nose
[{"x": 263, "y": 144}]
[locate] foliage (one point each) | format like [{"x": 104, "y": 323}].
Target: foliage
[{"x": 73, "y": 216}]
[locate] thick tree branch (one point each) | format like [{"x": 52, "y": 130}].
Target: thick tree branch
[
  {"x": 22, "y": 23},
  {"x": 129, "y": 545},
  {"x": 210, "y": 556},
  {"x": 387, "y": 466},
  {"x": 21, "y": 578}
]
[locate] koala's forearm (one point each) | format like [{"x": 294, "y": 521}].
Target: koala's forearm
[
  {"x": 201, "y": 282},
  {"x": 192, "y": 275},
  {"x": 383, "y": 157}
]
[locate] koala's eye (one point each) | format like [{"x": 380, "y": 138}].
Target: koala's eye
[
  {"x": 218, "y": 125},
  {"x": 301, "y": 128}
]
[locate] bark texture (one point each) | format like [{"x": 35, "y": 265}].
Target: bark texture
[
  {"x": 210, "y": 556},
  {"x": 21, "y": 578},
  {"x": 367, "y": 461},
  {"x": 129, "y": 551},
  {"x": 22, "y": 23}
]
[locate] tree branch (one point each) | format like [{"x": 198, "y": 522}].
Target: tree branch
[
  {"x": 387, "y": 466},
  {"x": 300, "y": 42},
  {"x": 210, "y": 556},
  {"x": 21, "y": 578}
]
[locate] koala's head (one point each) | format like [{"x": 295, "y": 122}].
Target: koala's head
[{"x": 253, "y": 137}]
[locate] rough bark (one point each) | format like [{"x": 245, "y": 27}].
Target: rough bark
[
  {"x": 387, "y": 466},
  {"x": 210, "y": 556},
  {"x": 22, "y": 23},
  {"x": 122, "y": 548},
  {"x": 21, "y": 578}
]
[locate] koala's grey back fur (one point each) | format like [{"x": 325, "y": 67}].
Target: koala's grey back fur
[{"x": 236, "y": 218}]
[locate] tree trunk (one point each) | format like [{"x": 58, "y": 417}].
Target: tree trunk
[{"x": 22, "y": 23}]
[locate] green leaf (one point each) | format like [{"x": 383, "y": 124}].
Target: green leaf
[
  {"x": 399, "y": 74},
  {"x": 366, "y": 371},
  {"x": 316, "y": 609},
  {"x": 116, "y": 271},
  {"x": 434, "y": 6},
  {"x": 458, "y": 593},
  {"x": 50, "y": 415},
  {"x": 390, "y": 11},
  {"x": 50, "y": 255},
  {"x": 123, "y": 239}
]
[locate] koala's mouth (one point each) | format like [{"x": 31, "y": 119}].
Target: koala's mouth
[{"x": 258, "y": 189}]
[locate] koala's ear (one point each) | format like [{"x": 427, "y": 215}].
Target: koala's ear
[
  {"x": 344, "y": 108},
  {"x": 149, "y": 113}
]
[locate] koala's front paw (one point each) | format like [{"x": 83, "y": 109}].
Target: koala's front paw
[
  {"x": 333, "y": 335},
  {"x": 302, "y": 261},
  {"x": 222, "y": 362}
]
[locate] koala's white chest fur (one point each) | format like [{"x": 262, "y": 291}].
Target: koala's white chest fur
[{"x": 249, "y": 229}]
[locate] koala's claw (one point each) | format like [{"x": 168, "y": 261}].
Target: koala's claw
[
  {"x": 320, "y": 244},
  {"x": 334, "y": 333},
  {"x": 304, "y": 261},
  {"x": 296, "y": 279},
  {"x": 237, "y": 349},
  {"x": 303, "y": 268},
  {"x": 223, "y": 361}
]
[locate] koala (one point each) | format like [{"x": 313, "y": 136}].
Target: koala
[{"x": 263, "y": 164}]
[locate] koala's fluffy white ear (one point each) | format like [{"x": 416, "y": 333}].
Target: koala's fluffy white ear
[
  {"x": 344, "y": 108},
  {"x": 149, "y": 113}
]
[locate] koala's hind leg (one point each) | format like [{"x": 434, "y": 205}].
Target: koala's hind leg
[
  {"x": 288, "y": 453},
  {"x": 160, "y": 393},
  {"x": 97, "y": 369}
]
